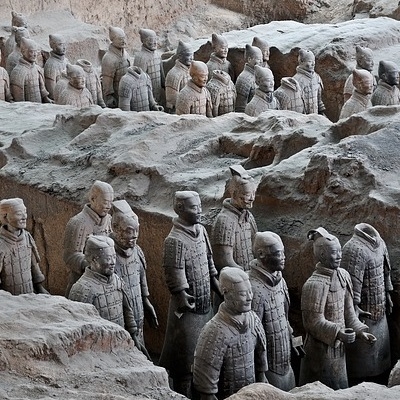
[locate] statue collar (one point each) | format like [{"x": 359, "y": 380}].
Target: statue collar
[
  {"x": 290, "y": 83},
  {"x": 191, "y": 230},
  {"x": 248, "y": 68},
  {"x": 125, "y": 253},
  {"x": 99, "y": 277},
  {"x": 371, "y": 239},
  {"x": 243, "y": 215},
  {"x": 115, "y": 50},
  {"x": 11, "y": 237},
  {"x": 336, "y": 276},
  {"x": 27, "y": 63},
  {"x": 147, "y": 50},
  {"x": 361, "y": 98},
  {"x": 386, "y": 85},
  {"x": 219, "y": 60},
  {"x": 57, "y": 56},
  {"x": 239, "y": 322},
  {"x": 264, "y": 275},
  {"x": 93, "y": 215},
  {"x": 267, "y": 97},
  {"x": 181, "y": 65},
  {"x": 137, "y": 72},
  {"x": 194, "y": 86},
  {"x": 301, "y": 70}
]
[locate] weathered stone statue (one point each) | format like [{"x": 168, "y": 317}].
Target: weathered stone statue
[
  {"x": 360, "y": 100},
  {"x": 5, "y": 93},
  {"x": 56, "y": 63},
  {"x": 234, "y": 227},
  {"x": 218, "y": 60},
  {"x": 223, "y": 93},
  {"x": 15, "y": 55},
  {"x": 190, "y": 276},
  {"x": 100, "y": 286},
  {"x": 19, "y": 257},
  {"x": 130, "y": 263},
  {"x": 195, "y": 98},
  {"x": 310, "y": 83},
  {"x": 114, "y": 65},
  {"x": 231, "y": 350},
  {"x": 135, "y": 92},
  {"x": 387, "y": 93},
  {"x": 246, "y": 81},
  {"x": 149, "y": 60},
  {"x": 61, "y": 85},
  {"x": 93, "y": 219},
  {"x": 264, "y": 98},
  {"x": 75, "y": 94},
  {"x": 27, "y": 80},
  {"x": 289, "y": 95},
  {"x": 271, "y": 304},
  {"x": 366, "y": 258},
  {"x": 364, "y": 60},
  {"x": 264, "y": 47},
  {"x": 329, "y": 318},
  {"x": 178, "y": 75},
  {"x": 92, "y": 82}
]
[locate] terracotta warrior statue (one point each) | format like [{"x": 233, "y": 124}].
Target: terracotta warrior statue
[
  {"x": 19, "y": 257},
  {"x": 114, "y": 65},
  {"x": 271, "y": 304},
  {"x": 387, "y": 93},
  {"x": 218, "y": 59},
  {"x": 75, "y": 94},
  {"x": 178, "y": 75},
  {"x": 246, "y": 81},
  {"x": 149, "y": 60},
  {"x": 365, "y": 60},
  {"x": 27, "y": 80},
  {"x": 93, "y": 219},
  {"x": 360, "y": 100},
  {"x": 231, "y": 350},
  {"x": 56, "y": 63},
  {"x": 92, "y": 82},
  {"x": 5, "y": 92},
  {"x": 135, "y": 92},
  {"x": 289, "y": 95},
  {"x": 195, "y": 98},
  {"x": 190, "y": 276},
  {"x": 329, "y": 318},
  {"x": 310, "y": 83},
  {"x": 264, "y": 98},
  {"x": 100, "y": 286},
  {"x": 264, "y": 47},
  {"x": 366, "y": 258},
  {"x": 130, "y": 264},
  {"x": 15, "y": 55},
  {"x": 223, "y": 93}
]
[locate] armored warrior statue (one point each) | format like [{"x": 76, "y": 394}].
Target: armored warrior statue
[
  {"x": 264, "y": 98},
  {"x": 114, "y": 65},
  {"x": 56, "y": 63},
  {"x": 15, "y": 55},
  {"x": 246, "y": 81},
  {"x": 19, "y": 258},
  {"x": 387, "y": 93},
  {"x": 135, "y": 92},
  {"x": 130, "y": 263},
  {"x": 289, "y": 95},
  {"x": 93, "y": 219},
  {"x": 366, "y": 258},
  {"x": 100, "y": 286},
  {"x": 61, "y": 85},
  {"x": 329, "y": 317},
  {"x": 5, "y": 93},
  {"x": 92, "y": 82},
  {"x": 264, "y": 47},
  {"x": 223, "y": 93},
  {"x": 190, "y": 275},
  {"x": 27, "y": 80},
  {"x": 271, "y": 304},
  {"x": 231, "y": 350},
  {"x": 360, "y": 100},
  {"x": 195, "y": 98},
  {"x": 218, "y": 59},
  {"x": 365, "y": 60},
  {"x": 149, "y": 60},
  {"x": 178, "y": 75}
]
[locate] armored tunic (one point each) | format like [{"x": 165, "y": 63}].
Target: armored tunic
[
  {"x": 289, "y": 95},
  {"x": 188, "y": 266},
  {"x": 366, "y": 258},
  {"x": 27, "y": 82},
  {"x": 349, "y": 87},
  {"x": 385, "y": 94},
  {"x": 53, "y": 68},
  {"x": 150, "y": 62},
  {"x": 175, "y": 81},
  {"x": 261, "y": 102},
  {"x": 5, "y": 93},
  {"x": 311, "y": 90},
  {"x": 271, "y": 304},
  {"x": 245, "y": 88},
  {"x": 79, "y": 227},
  {"x": 75, "y": 97},
  {"x": 193, "y": 99},
  {"x": 92, "y": 82},
  {"x": 221, "y": 64},
  {"x": 12, "y": 60},
  {"x": 223, "y": 93},
  {"x": 229, "y": 352},
  {"x": 356, "y": 103},
  {"x": 236, "y": 229},
  {"x": 327, "y": 307},
  {"x": 8, "y": 48},
  {"x": 19, "y": 262}
]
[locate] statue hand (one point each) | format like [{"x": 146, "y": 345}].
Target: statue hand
[
  {"x": 389, "y": 303},
  {"x": 367, "y": 337},
  {"x": 185, "y": 301},
  {"x": 110, "y": 101},
  {"x": 151, "y": 313},
  {"x": 346, "y": 335},
  {"x": 40, "y": 289},
  {"x": 260, "y": 377},
  {"x": 361, "y": 313},
  {"x": 156, "y": 107},
  {"x": 214, "y": 283},
  {"x": 47, "y": 99},
  {"x": 140, "y": 346}
]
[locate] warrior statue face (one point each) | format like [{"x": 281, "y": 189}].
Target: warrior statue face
[
  {"x": 238, "y": 298},
  {"x": 328, "y": 252},
  {"x": 254, "y": 60},
  {"x": 191, "y": 210},
  {"x": 77, "y": 78},
  {"x": 265, "y": 82},
  {"x": 58, "y": 45},
  {"x": 366, "y": 61},
  {"x": 29, "y": 52},
  {"x": 273, "y": 257},
  {"x": 221, "y": 50},
  {"x": 243, "y": 195},
  {"x": 104, "y": 262},
  {"x": 126, "y": 232},
  {"x": 307, "y": 61},
  {"x": 186, "y": 58},
  {"x": 199, "y": 74},
  {"x": 100, "y": 202},
  {"x": 16, "y": 217},
  {"x": 150, "y": 42},
  {"x": 119, "y": 40},
  {"x": 391, "y": 76}
]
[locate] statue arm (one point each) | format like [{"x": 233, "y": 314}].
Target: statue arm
[
  {"x": 321, "y": 105},
  {"x": 260, "y": 357},
  {"x": 223, "y": 256},
  {"x": 209, "y": 104},
  {"x": 183, "y": 104},
  {"x": 7, "y": 91},
  {"x": 350, "y": 316},
  {"x": 17, "y": 85}
]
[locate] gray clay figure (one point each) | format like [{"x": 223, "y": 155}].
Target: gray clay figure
[
  {"x": 19, "y": 257},
  {"x": 15, "y": 55},
  {"x": 289, "y": 95},
  {"x": 223, "y": 93},
  {"x": 92, "y": 82},
  {"x": 387, "y": 93},
  {"x": 5, "y": 92},
  {"x": 264, "y": 47},
  {"x": 329, "y": 318},
  {"x": 218, "y": 60},
  {"x": 231, "y": 350}
]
